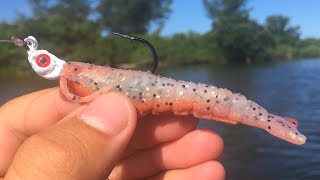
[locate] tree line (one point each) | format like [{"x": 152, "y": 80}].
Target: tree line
[{"x": 82, "y": 31}]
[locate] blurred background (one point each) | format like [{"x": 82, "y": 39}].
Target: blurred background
[{"x": 268, "y": 50}]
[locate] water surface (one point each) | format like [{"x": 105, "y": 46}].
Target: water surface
[{"x": 288, "y": 89}]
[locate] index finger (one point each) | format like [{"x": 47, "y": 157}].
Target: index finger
[{"x": 27, "y": 115}]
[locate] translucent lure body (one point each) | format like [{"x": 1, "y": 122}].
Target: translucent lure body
[{"x": 81, "y": 82}]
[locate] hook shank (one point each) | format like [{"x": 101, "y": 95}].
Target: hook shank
[{"x": 154, "y": 53}]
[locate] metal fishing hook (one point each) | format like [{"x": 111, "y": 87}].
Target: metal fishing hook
[
  {"x": 154, "y": 54},
  {"x": 16, "y": 41}
]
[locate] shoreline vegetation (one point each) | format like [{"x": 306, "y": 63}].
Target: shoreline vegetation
[{"x": 82, "y": 31}]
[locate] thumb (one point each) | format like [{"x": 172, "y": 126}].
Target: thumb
[{"x": 84, "y": 145}]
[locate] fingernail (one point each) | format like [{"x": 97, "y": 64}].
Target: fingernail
[{"x": 108, "y": 113}]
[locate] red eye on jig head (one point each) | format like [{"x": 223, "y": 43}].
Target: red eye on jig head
[{"x": 43, "y": 60}]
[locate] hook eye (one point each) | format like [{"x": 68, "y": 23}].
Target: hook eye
[{"x": 31, "y": 43}]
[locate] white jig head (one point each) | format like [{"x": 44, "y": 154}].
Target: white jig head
[{"x": 43, "y": 63}]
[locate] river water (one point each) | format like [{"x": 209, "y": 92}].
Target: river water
[{"x": 288, "y": 89}]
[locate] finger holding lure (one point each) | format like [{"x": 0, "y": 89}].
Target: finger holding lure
[{"x": 82, "y": 82}]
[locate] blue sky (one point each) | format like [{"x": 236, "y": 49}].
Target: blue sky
[{"x": 191, "y": 15}]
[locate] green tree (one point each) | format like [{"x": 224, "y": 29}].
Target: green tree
[
  {"x": 13, "y": 59},
  {"x": 238, "y": 38},
  {"x": 280, "y": 28},
  {"x": 309, "y": 48},
  {"x": 286, "y": 37},
  {"x": 188, "y": 48},
  {"x": 62, "y": 26},
  {"x": 79, "y": 9},
  {"x": 7, "y": 51},
  {"x": 218, "y": 9},
  {"x": 134, "y": 16}
]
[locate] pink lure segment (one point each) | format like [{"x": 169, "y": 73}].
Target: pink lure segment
[{"x": 81, "y": 82}]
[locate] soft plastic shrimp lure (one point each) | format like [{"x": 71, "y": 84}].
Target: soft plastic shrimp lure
[{"x": 81, "y": 82}]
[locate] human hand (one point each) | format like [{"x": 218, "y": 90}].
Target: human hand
[{"x": 44, "y": 136}]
